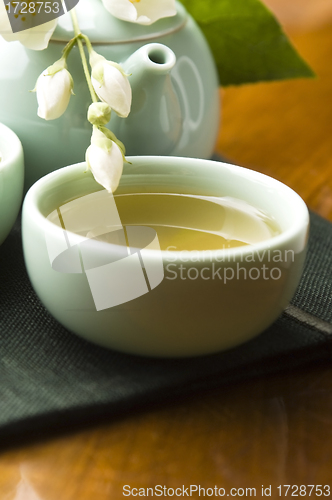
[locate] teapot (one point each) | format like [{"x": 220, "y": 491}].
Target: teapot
[{"x": 175, "y": 104}]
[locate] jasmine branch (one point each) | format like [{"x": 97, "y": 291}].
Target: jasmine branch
[{"x": 79, "y": 37}]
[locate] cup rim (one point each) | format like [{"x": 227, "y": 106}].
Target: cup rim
[
  {"x": 301, "y": 213},
  {"x": 16, "y": 148}
]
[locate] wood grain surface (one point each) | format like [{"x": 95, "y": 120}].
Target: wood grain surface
[
  {"x": 270, "y": 431},
  {"x": 284, "y": 129}
]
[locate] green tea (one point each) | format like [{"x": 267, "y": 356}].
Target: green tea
[
  {"x": 181, "y": 221},
  {"x": 185, "y": 222}
]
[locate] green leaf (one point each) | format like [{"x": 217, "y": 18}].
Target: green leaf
[{"x": 247, "y": 41}]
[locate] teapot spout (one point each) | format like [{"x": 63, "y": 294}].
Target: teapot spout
[
  {"x": 151, "y": 59},
  {"x": 154, "y": 125}
]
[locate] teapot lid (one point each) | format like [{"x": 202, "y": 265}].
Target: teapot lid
[{"x": 101, "y": 27}]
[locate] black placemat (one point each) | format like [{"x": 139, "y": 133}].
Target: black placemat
[{"x": 50, "y": 378}]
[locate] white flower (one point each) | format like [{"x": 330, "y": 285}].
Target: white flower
[
  {"x": 54, "y": 89},
  {"x": 140, "y": 11},
  {"x": 105, "y": 159},
  {"x": 111, "y": 84},
  {"x": 36, "y": 38}
]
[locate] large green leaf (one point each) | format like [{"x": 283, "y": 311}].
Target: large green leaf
[{"x": 247, "y": 41}]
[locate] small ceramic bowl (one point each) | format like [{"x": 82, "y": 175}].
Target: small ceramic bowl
[
  {"x": 11, "y": 179},
  {"x": 116, "y": 286}
]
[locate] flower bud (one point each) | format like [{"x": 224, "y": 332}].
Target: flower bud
[
  {"x": 99, "y": 113},
  {"x": 54, "y": 88},
  {"x": 105, "y": 159},
  {"x": 111, "y": 84}
]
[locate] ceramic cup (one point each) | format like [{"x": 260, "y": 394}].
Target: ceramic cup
[
  {"x": 11, "y": 179},
  {"x": 121, "y": 291}
]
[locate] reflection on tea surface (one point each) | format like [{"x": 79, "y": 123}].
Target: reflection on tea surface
[
  {"x": 182, "y": 222},
  {"x": 190, "y": 222}
]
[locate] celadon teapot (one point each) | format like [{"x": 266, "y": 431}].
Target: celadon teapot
[{"x": 175, "y": 105}]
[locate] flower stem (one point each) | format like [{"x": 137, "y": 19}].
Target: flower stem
[
  {"x": 66, "y": 51},
  {"x": 87, "y": 43},
  {"x": 78, "y": 36}
]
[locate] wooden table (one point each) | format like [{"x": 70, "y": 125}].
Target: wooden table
[{"x": 271, "y": 431}]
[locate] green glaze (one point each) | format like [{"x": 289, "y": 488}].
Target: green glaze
[
  {"x": 175, "y": 109},
  {"x": 178, "y": 317},
  {"x": 11, "y": 179}
]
